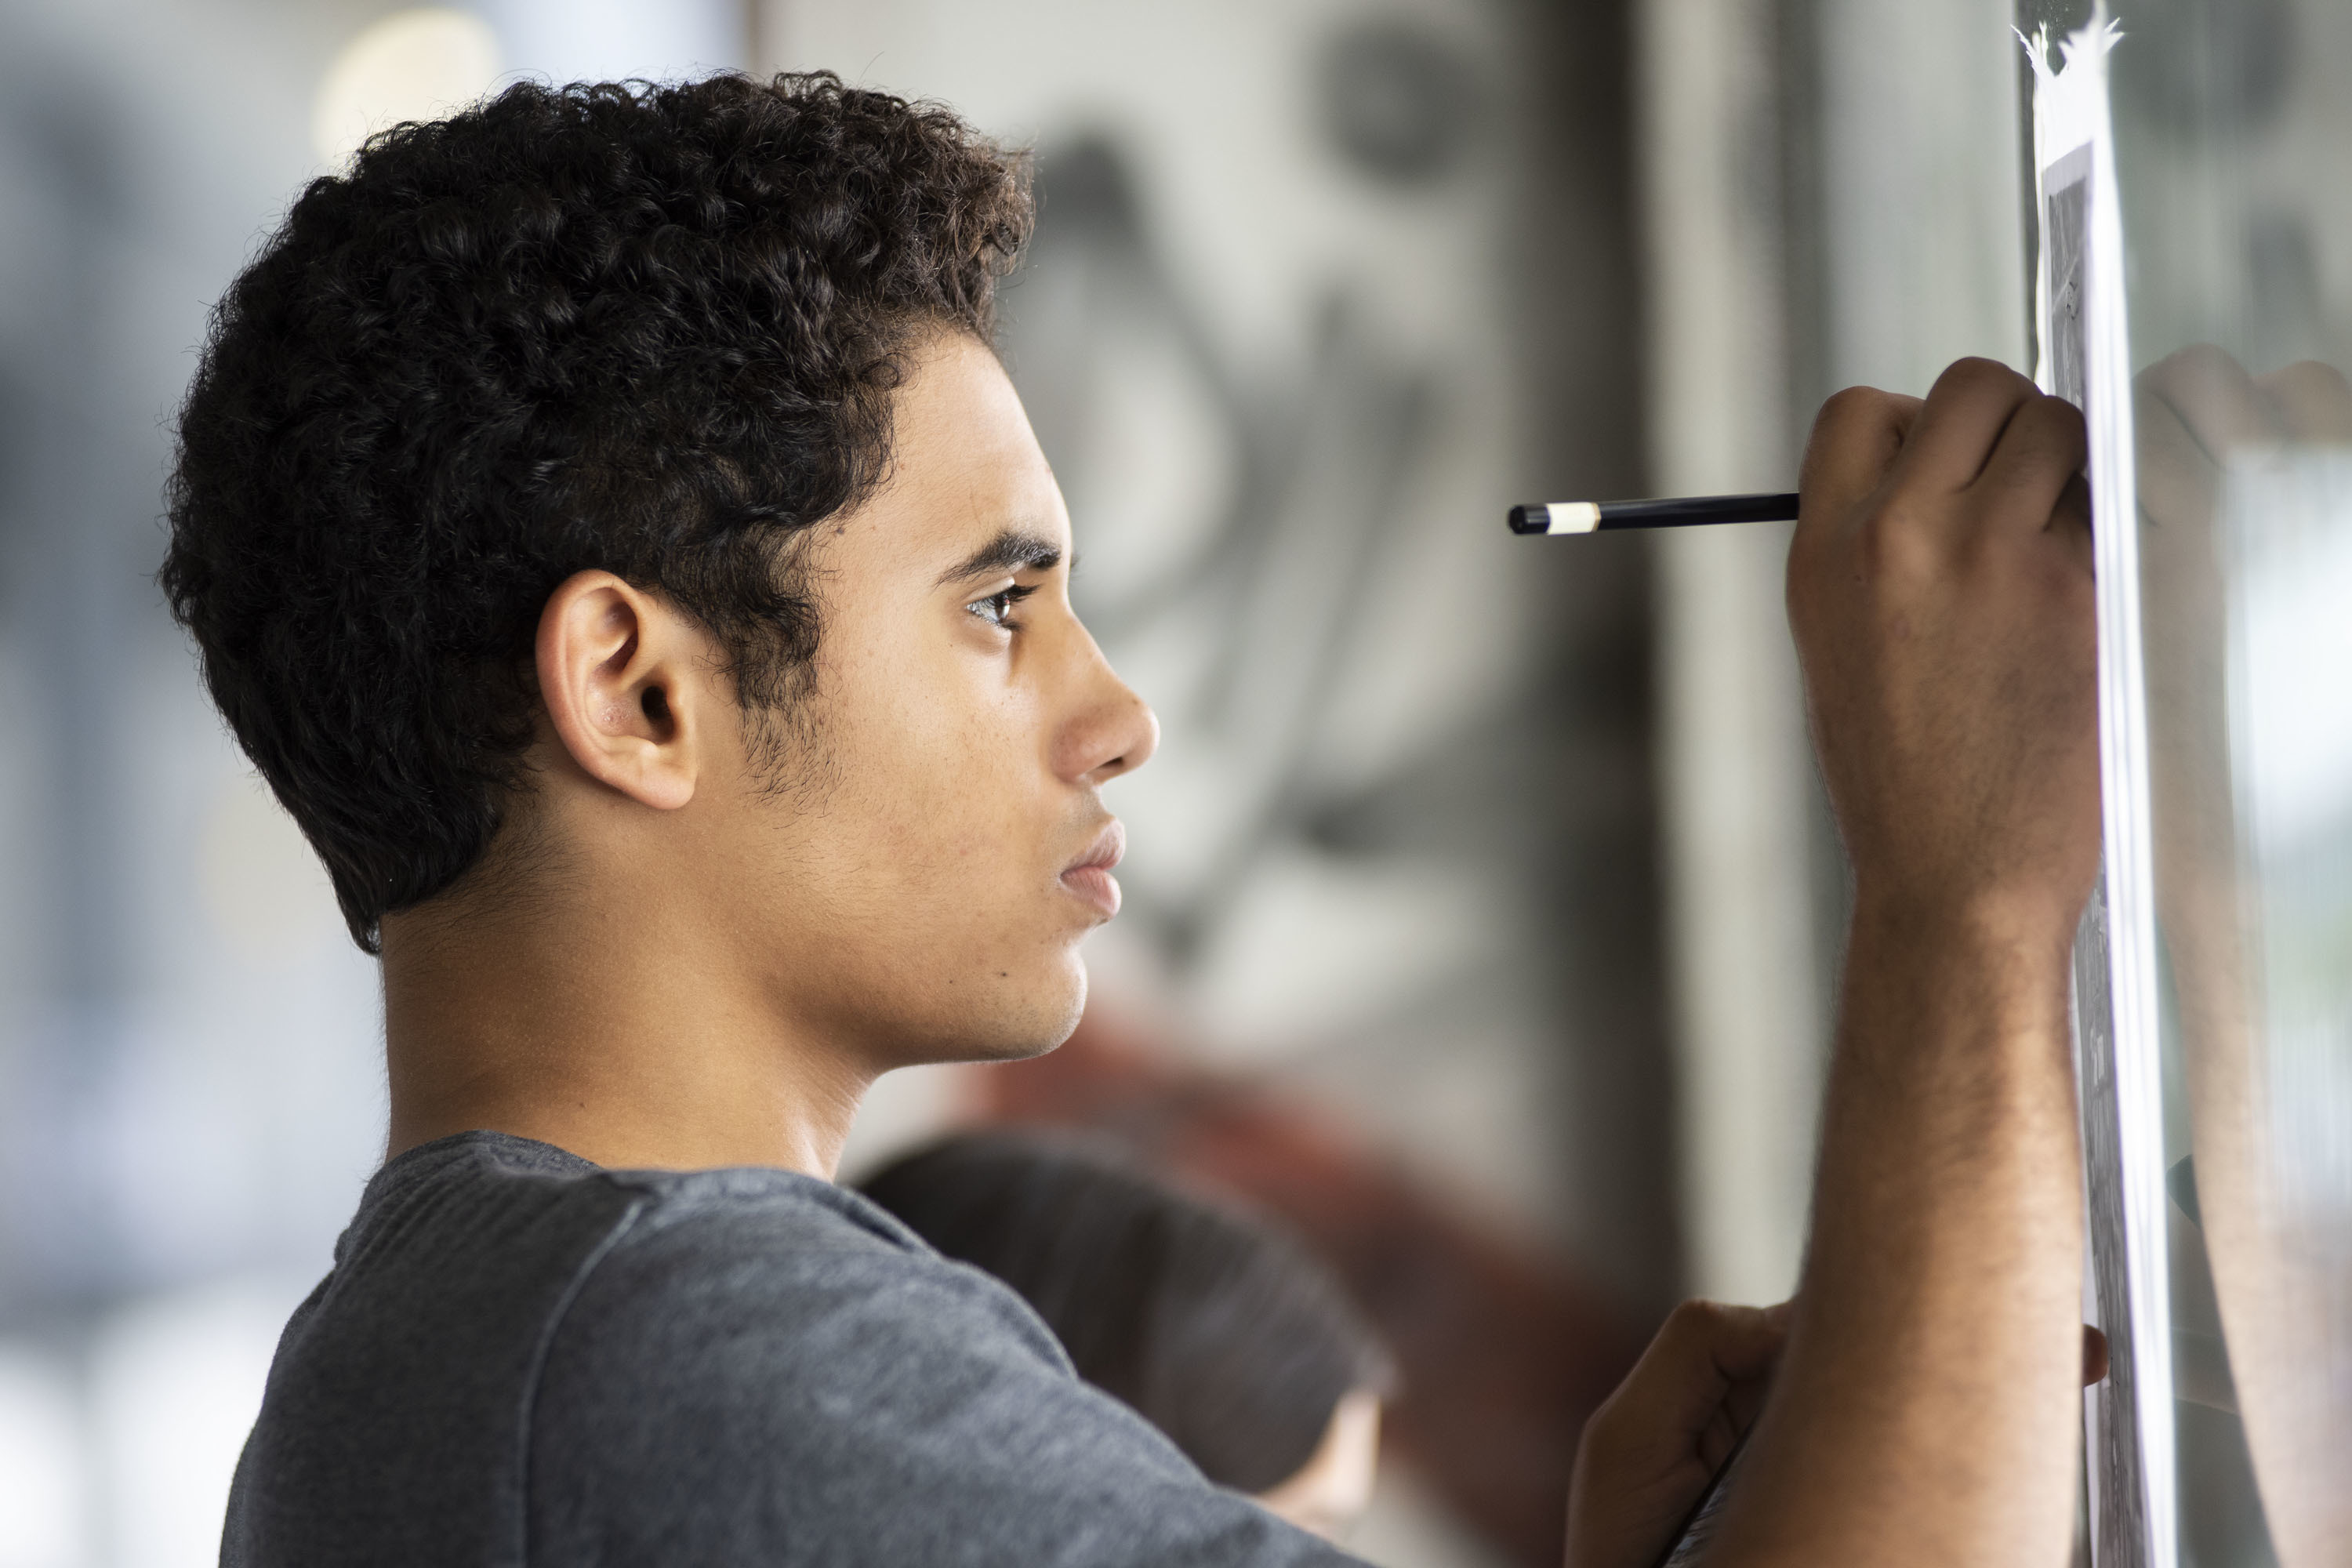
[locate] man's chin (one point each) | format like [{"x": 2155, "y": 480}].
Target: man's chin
[
  {"x": 1042, "y": 1032},
  {"x": 983, "y": 1049},
  {"x": 1030, "y": 1023},
  {"x": 1015, "y": 1050}
]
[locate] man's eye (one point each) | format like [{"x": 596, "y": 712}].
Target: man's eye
[{"x": 997, "y": 609}]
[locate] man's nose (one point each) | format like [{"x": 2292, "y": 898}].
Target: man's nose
[{"x": 1113, "y": 732}]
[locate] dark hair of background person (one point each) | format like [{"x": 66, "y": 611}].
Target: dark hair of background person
[
  {"x": 651, "y": 330},
  {"x": 1217, "y": 1329}
]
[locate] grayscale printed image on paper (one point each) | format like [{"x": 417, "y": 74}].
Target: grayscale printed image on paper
[
  {"x": 2117, "y": 1512},
  {"x": 2065, "y": 233}
]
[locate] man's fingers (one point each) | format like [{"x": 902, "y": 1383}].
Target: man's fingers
[
  {"x": 1966, "y": 412},
  {"x": 1707, "y": 1346},
  {"x": 2095, "y": 1356},
  {"x": 1856, "y": 438},
  {"x": 1720, "y": 1437},
  {"x": 2312, "y": 401},
  {"x": 1746, "y": 1402},
  {"x": 1742, "y": 1342},
  {"x": 2070, "y": 519},
  {"x": 2040, "y": 455},
  {"x": 1752, "y": 1339}
]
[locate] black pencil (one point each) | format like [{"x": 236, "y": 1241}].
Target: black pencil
[{"x": 1595, "y": 516}]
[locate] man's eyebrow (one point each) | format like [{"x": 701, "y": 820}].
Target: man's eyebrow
[{"x": 1010, "y": 551}]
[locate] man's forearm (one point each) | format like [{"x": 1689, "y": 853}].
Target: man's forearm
[
  {"x": 1927, "y": 1409},
  {"x": 1941, "y": 595}
]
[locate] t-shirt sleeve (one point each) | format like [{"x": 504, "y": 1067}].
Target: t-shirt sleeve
[{"x": 745, "y": 1386}]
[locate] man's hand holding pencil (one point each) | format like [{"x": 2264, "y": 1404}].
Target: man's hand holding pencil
[{"x": 1940, "y": 594}]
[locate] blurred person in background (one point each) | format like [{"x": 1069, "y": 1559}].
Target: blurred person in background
[
  {"x": 605, "y": 525},
  {"x": 1212, "y": 1325}
]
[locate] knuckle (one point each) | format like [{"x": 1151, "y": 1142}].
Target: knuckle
[
  {"x": 1698, "y": 1315},
  {"x": 1892, "y": 548},
  {"x": 2067, "y": 418},
  {"x": 1850, "y": 406},
  {"x": 1976, "y": 372}
]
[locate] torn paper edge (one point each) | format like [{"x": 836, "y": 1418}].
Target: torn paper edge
[{"x": 2129, "y": 1421}]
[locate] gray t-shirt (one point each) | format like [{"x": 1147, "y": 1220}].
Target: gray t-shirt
[{"x": 521, "y": 1359}]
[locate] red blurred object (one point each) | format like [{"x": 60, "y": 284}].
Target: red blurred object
[{"x": 1504, "y": 1351}]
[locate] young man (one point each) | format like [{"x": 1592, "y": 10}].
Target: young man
[{"x": 603, "y": 523}]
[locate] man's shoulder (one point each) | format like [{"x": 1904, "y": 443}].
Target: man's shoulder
[
  {"x": 486, "y": 1277},
  {"x": 685, "y": 1210},
  {"x": 762, "y": 1368},
  {"x": 639, "y": 1256},
  {"x": 521, "y": 1357},
  {"x": 759, "y": 1278}
]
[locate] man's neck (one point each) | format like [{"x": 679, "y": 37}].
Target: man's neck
[{"x": 622, "y": 1047}]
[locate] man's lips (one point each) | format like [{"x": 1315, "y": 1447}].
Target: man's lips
[{"x": 1089, "y": 876}]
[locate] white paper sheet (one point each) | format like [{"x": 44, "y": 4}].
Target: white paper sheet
[{"x": 2084, "y": 357}]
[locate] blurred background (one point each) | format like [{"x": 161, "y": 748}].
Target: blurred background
[{"x": 1482, "y": 904}]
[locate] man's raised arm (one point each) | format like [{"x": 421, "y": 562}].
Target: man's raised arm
[{"x": 1939, "y": 588}]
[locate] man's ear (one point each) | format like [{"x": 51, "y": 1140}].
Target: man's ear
[{"x": 618, "y": 674}]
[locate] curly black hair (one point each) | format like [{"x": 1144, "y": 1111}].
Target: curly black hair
[{"x": 654, "y": 330}]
